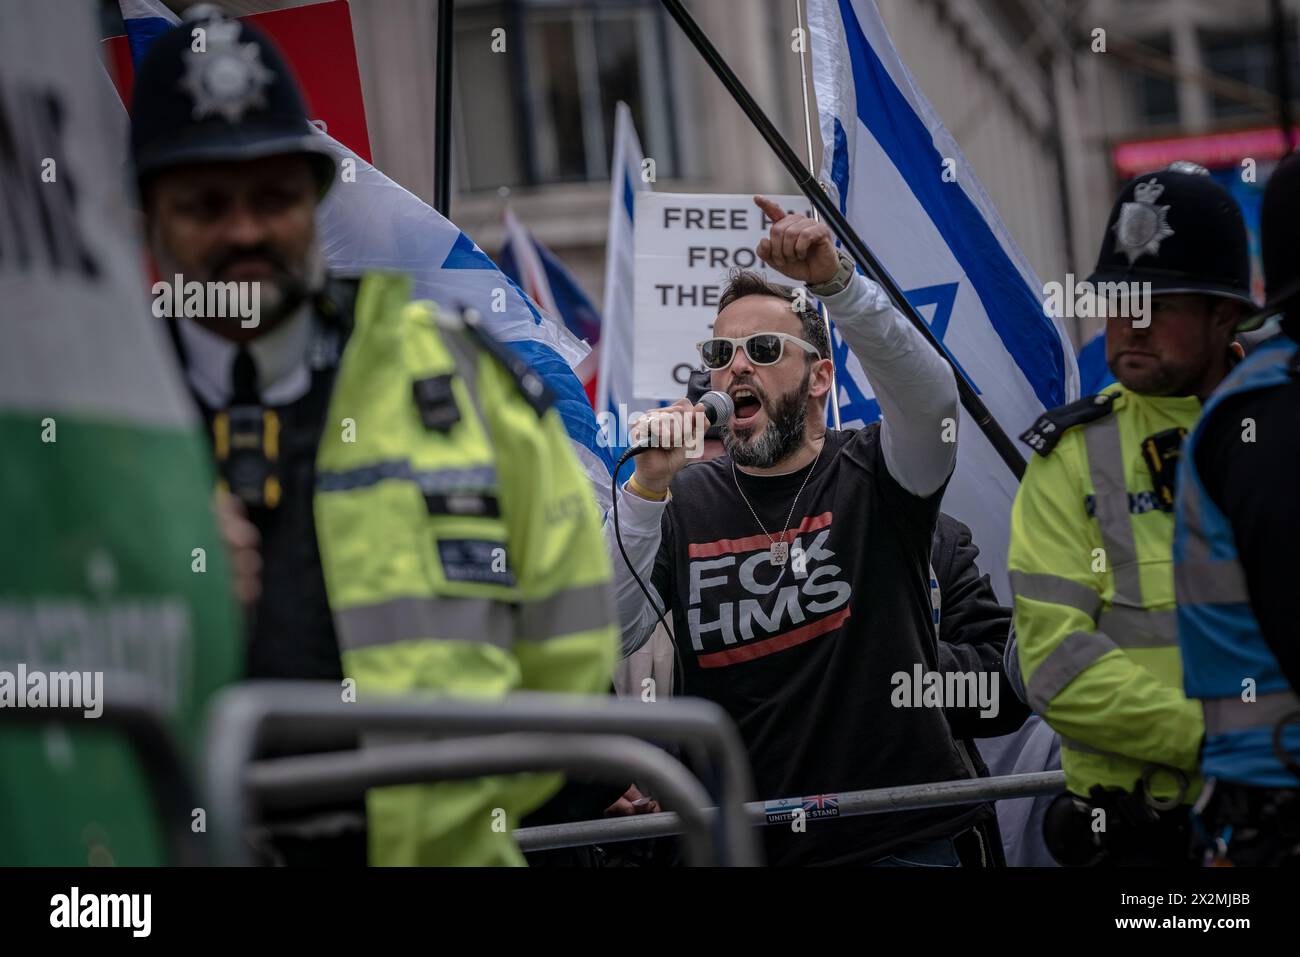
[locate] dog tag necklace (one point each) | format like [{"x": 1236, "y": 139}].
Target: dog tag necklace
[{"x": 779, "y": 551}]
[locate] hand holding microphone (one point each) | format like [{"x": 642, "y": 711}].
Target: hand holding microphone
[
  {"x": 664, "y": 439},
  {"x": 661, "y": 440}
]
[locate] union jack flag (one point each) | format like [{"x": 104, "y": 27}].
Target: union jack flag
[{"x": 822, "y": 802}]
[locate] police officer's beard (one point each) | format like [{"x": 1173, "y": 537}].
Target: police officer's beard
[
  {"x": 784, "y": 433},
  {"x": 281, "y": 297},
  {"x": 1168, "y": 379},
  {"x": 277, "y": 298}
]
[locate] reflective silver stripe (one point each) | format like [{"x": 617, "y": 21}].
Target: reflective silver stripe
[
  {"x": 1223, "y": 715},
  {"x": 431, "y": 481},
  {"x": 466, "y": 356},
  {"x": 1198, "y": 578},
  {"x": 1106, "y": 466},
  {"x": 1140, "y": 628},
  {"x": 567, "y": 613},
  {"x": 1066, "y": 662},
  {"x": 1196, "y": 549},
  {"x": 1057, "y": 591},
  {"x": 426, "y": 619},
  {"x": 1210, "y": 582}
]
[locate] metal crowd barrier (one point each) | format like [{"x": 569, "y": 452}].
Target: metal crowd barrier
[
  {"x": 612, "y": 759},
  {"x": 133, "y": 712},
  {"x": 521, "y": 732},
  {"x": 598, "y": 738},
  {"x": 851, "y": 804}
]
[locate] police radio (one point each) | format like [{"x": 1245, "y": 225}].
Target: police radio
[{"x": 247, "y": 443}]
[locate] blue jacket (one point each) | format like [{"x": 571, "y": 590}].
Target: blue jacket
[{"x": 1226, "y": 661}]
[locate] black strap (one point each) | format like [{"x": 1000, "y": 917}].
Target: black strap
[
  {"x": 531, "y": 385},
  {"x": 243, "y": 379},
  {"x": 336, "y": 303}
]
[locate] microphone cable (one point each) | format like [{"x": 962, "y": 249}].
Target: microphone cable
[
  {"x": 722, "y": 409},
  {"x": 627, "y": 561}
]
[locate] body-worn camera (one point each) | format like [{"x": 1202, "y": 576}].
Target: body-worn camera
[
  {"x": 247, "y": 441},
  {"x": 1161, "y": 453}
]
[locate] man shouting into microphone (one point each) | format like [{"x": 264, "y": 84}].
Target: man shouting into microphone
[{"x": 795, "y": 566}]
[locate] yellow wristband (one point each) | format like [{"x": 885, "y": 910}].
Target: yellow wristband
[{"x": 638, "y": 489}]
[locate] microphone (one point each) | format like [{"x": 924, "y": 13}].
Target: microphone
[{"x": 718, "y": 408}]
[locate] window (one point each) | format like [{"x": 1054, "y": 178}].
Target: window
[
  {"x": 1248, "y": 58},
  {"x": 543, "y": 111},
  {"x": 1157, "y": 94}
]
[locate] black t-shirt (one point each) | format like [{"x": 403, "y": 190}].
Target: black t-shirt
[
  {"x": 804, "y": 668},
  {"x": 1257, "y": 486}
]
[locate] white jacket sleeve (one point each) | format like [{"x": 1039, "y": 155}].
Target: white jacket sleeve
[
  {"x": 915, "y": 386},
  {"x": 639, "y": 522}
]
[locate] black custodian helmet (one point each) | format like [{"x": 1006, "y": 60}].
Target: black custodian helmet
[
  {"x": 1180, "y": 231},
  {"x": 227, "y": 95}
]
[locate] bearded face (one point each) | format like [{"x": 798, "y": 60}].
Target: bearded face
[
  {"x": 763, "y": 446},
  {"x": 248, "y": 222},
  {"x": 773, "y": 402}
]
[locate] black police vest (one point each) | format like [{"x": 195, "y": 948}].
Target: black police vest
[{"x": 291, "y": 631}]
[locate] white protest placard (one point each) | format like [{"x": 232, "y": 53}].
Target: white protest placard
[{"x": 686, "y": 243}]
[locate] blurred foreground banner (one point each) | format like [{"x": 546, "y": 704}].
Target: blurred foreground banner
[{"x": 110, "y": 564}]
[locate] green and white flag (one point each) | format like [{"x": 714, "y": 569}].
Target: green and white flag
[{"x": 109, "y": 556}]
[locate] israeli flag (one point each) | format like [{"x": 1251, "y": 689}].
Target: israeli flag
[
  {"x": 1094, "y": 374},
  {"x": 614, "y": 396},
  {"x": 546, "y": 281},
  {"x": 902, "y": 182},
  {"x": 375, "y": 224}
]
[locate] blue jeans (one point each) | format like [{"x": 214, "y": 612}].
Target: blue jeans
[{"x": 940, "y": 853}]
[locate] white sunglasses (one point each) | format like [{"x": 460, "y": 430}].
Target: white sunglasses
[{"x": 763, "y": 349}]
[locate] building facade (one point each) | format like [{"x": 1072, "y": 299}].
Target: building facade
[{"x": 1053, "y": 102}]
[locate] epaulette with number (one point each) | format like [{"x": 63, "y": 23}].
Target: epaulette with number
[
  {"x": 1043, "y": 435},
  {"x": 530, "y": 382}
]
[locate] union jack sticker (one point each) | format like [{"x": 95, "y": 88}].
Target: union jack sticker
[
  {"x": 817, "y": 806},
  {"x": 822, "y": 805}
]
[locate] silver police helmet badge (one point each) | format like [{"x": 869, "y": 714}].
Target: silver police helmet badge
[
  {"x": 225, "y": 76},
  {"x": 1142, "y": 225}
]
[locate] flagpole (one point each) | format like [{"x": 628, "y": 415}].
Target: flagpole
[
  {"x": 442, "y": 113},
  {"x": 847, "y": 235},
  {"x": 807, "y": 132}
]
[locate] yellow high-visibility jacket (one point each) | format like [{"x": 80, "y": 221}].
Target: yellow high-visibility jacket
[
  {"x": 1092, "y": 571},
  {"x": 462, "y": 552}
]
